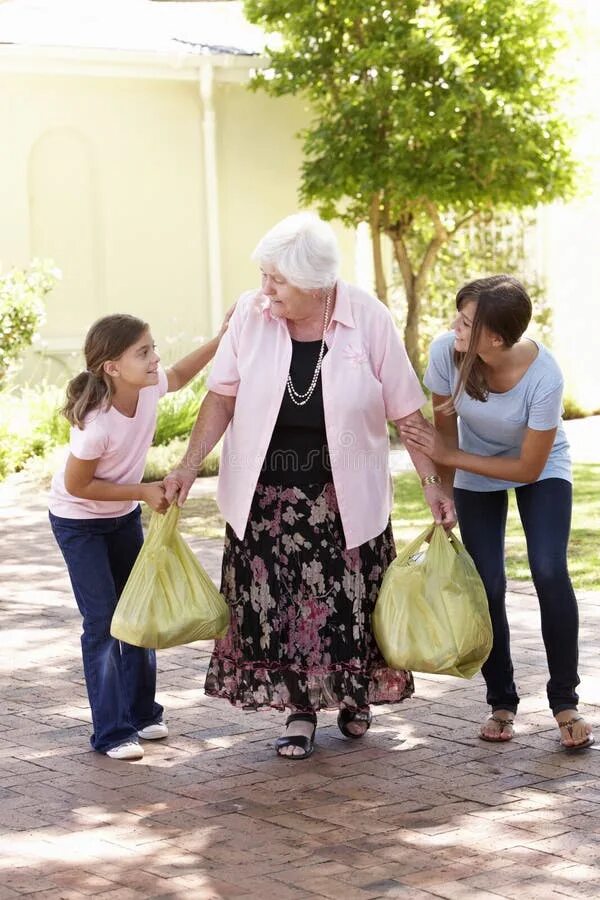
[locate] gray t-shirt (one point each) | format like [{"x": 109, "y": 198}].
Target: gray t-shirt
[{"x": 497, "y": 427}]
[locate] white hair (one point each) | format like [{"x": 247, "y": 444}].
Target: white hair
[{"x": 304, "y": 249}]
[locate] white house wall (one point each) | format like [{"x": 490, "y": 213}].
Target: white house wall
[
  {"x": 260, "y": 159},
  {"x": 570, "y": 232},
  {"x": 106, "y": 177}
]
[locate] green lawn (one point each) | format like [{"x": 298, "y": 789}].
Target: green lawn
[
  {"x": 201, "y": 518},
  {"x": 410, "y": 516}
]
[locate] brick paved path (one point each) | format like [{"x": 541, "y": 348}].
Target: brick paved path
[{"x": 419, "y": 809}]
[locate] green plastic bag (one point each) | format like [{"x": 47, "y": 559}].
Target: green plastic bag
[
  {"x": 432, "y": 612},
  {"x": 169, "y": 599}
]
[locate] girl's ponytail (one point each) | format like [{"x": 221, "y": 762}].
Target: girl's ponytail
[
  {"x": 85, "y": 393},
  {"x": 107, "y": 340}
]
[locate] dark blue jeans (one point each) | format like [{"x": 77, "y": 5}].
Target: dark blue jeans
[
  {"x": 545, "y": 511},
  {"x": 120, "y": 679}
]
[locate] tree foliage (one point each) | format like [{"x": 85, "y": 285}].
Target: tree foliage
[
  {"x": 426, "y": 115},
  {"x": 500, "y": 244}
]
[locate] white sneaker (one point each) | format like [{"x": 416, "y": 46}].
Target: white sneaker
[
  {"x": 154, "y": 732},
  {"x": 126, "y": 750}
]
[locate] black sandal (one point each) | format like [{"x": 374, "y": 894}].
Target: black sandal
[
  {"x": 298, "y": 740},
  {"x": 345, "y": 716}
]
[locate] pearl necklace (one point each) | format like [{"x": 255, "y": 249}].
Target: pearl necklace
[{"x": 302, "y": 399}]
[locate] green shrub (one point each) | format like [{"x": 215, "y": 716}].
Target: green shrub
[
  {"x": 22, "y": 310},
  {"x": 572, "y": 409},
  {"x": 30, "y": 425},
  {"x": 177, "y": 412},
  {"x": 164, "y": 457},
  {"x": 39, "y": 470}
]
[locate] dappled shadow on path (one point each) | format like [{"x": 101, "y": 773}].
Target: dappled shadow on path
[{"x": 420, "y": 808}]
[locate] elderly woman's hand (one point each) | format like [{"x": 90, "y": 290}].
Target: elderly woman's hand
[
  {"x": 422, "y": 436},
  {"x": 441, "y": 505},
  {"x": 178, "y": 483}
]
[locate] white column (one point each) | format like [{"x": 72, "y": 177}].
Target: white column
[
  {"x": 364, "y": 276},
  {"x": 211, "y": 187}
]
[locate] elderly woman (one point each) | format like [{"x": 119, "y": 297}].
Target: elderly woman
[{"x": 303, "y": 384}]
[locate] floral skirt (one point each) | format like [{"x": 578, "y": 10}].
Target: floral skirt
[{"x": 301, "y": 607}]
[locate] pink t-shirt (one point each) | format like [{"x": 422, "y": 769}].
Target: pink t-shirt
[
  {"x": 367, "y": 379},
  {"x": 120, "y": 444}
]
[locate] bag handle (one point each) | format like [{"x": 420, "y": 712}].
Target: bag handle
[
  {"x": 456, "y": 543},
  {"x": 163, "y": 525},
  {"x": 432, "y": 533},
  {"x": 415, "y": 545}
]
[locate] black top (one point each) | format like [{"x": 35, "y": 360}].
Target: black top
[{"x": 298, "y": 452}]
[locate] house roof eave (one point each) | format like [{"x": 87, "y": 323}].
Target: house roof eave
[{"x": 170, "y": 66}]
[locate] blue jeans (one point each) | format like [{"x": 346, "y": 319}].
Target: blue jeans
[
  {"x": 545, "y": 511},
  {"x": 120, "y": 679}
]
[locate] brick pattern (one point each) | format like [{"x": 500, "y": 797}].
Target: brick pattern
[{"x": 419, "y": 809}]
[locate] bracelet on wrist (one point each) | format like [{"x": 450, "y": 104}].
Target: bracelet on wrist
[{"x": 430, "y": 479}]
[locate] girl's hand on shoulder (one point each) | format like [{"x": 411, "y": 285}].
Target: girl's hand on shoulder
[
  {"x": 423, "y": 436},
  {"x": 225, "y": 323},
  {"x": 153, "y": 493}
]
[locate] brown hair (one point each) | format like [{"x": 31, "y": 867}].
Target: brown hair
[
  {"x": 107, "y": 339},
  {"x": 504, "y": 308}
]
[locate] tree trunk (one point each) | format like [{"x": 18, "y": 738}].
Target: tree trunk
[
  {"x": 415, "y": 283},
  {"x": 381, "y": 289},
  {"x": 414, "y": 289},
  {"x": 411, "y": 327},
  {"x": 409, "y": 281}
]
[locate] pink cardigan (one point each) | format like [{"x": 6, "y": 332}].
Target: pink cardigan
[{"x": 367, "y": 379}]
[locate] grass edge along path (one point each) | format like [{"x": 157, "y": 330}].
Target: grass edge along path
[{"x": 201, "y": 518}]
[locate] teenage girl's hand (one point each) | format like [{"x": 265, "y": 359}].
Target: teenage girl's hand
[
  {"x": 178, "y": 483},
  {"x": 225, "y": 324},
  {"x": 153, "y": 493},
  {"x": 441, "y": 506},
  {"x": 423, "y": 436}
]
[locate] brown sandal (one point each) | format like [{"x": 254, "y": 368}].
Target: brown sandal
[
  {"x": 498, "y": 739},
  {"x": 569, "y": 726}
]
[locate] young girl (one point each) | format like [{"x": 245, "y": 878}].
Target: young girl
[
  {"x": 497, "y": 402},
  {"x": 95, "y": 515}
]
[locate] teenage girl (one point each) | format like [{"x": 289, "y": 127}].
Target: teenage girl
[
  {"x": 497, "y": 400},
  {"x": 95, "y": 515}
]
